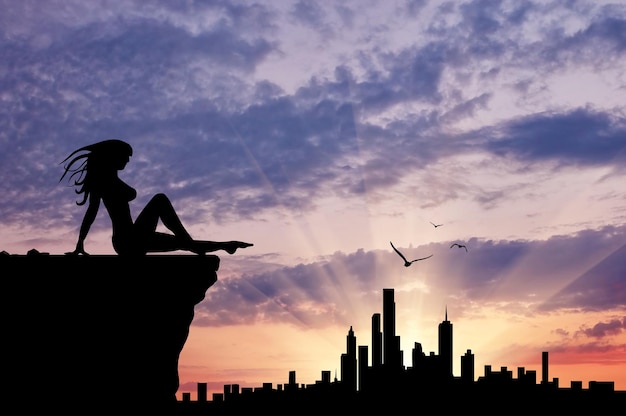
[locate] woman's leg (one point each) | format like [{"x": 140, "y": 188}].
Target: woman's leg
[
  {"x": 158, "y": 242},
  {"x": 160, "y": 208}
]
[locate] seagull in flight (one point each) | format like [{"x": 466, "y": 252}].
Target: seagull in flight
[
  {"x": 435, "y": 225},
  {"x": 459, "y": 246},
  {"x": 406, "y": 262}
]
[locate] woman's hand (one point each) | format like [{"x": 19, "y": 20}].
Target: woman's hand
[
  {"x": 77, "y": 252},
  {"x": 80, "y": 249}
]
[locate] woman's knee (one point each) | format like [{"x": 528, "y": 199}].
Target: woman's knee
[{"x": 161, "y": 198}]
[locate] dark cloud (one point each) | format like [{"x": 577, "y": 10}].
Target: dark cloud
[
  {"x": 346, "y": 15},
  {"x": 485, "y": 35},
  {"x": 413, "y": 7},
  {"x": 602, "y": 286},
  {"x": 603, "y": 37},
  {"x": 309, "y": 13},
  {"x": 612, "y": 30},
  {"x": 122, "y": 71},
  {"x": 482, "y": 34},
  {"x": 466, "y": 109},
  {"x": 491, "y": 272},
  {"x": 411, "y": 75},
  {"x": 127, "y": 79},
  {"x": 480, "y": 17},
  {"x": 603, "y": 329},
  {"x": 579, "y": 137}
]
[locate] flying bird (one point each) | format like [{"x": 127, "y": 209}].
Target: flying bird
[
  {"x": 406, "y": 262},
  {"x": 459, "y": 246},
  {"x": 435, "y": 225}
]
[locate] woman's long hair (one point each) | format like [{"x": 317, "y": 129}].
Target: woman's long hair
[{"x": 85, "y": 164}]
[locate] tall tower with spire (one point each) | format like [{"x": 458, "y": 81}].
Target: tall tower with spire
[
  {"x": 445, "y": 344},
  {"x": 348, "y": 362}
]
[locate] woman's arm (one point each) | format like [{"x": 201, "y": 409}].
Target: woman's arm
[{"x": 88, "y": 219}]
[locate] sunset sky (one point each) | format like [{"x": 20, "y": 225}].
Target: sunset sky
[{"x": 323, "y": 131}]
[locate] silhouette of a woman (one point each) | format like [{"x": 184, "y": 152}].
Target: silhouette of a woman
[{"x": 93, "y": 170}]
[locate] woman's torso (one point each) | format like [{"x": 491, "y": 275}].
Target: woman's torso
[{"x": 116, "y": 195}]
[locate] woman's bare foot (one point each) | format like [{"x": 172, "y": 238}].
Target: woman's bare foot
[
  {"x": 201, "y": 247},
  {"x": 231, "y": 246}
]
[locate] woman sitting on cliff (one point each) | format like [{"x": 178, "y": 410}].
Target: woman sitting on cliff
[{"x": 96, "y": 178}]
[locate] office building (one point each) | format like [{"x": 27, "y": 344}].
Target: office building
[{"x": 445, "y": 344}]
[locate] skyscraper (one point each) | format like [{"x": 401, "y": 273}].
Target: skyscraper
[
  {"x": 391, "y": 344},
  {"x": 348, "y": 362},
  {"x": 445, "y": 344},
  {"x": 362, "y": 366},
  {"x": 377, "y": 341},
  {"x": 544, "y": 367},
  {"x": 467, "y": 366}
]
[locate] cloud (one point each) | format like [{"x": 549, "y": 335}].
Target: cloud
[
  {"x": 562, "y": 332},
  {"x": 579, "y": 137},
  {"x": 602, "y": 286},
  {"x": 604, "y": 329},
  {"x": 309, "y": 13},
  {"x": 308, "y": 295},
  {"x": 181, "y": 78},
  {"x": 499, "y": 273},
  {"x": 604, "y": 36}
]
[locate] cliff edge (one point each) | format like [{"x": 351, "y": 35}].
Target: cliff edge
[{"x": 98, "y": 332}]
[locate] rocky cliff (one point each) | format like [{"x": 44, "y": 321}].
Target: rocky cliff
[{"x": 98, "y": 332}]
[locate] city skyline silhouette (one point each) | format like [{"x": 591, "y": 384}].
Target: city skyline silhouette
[{"x": 380, "y": 371}]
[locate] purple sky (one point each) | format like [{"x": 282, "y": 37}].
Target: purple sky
[{"x": 321, "y": 131}]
